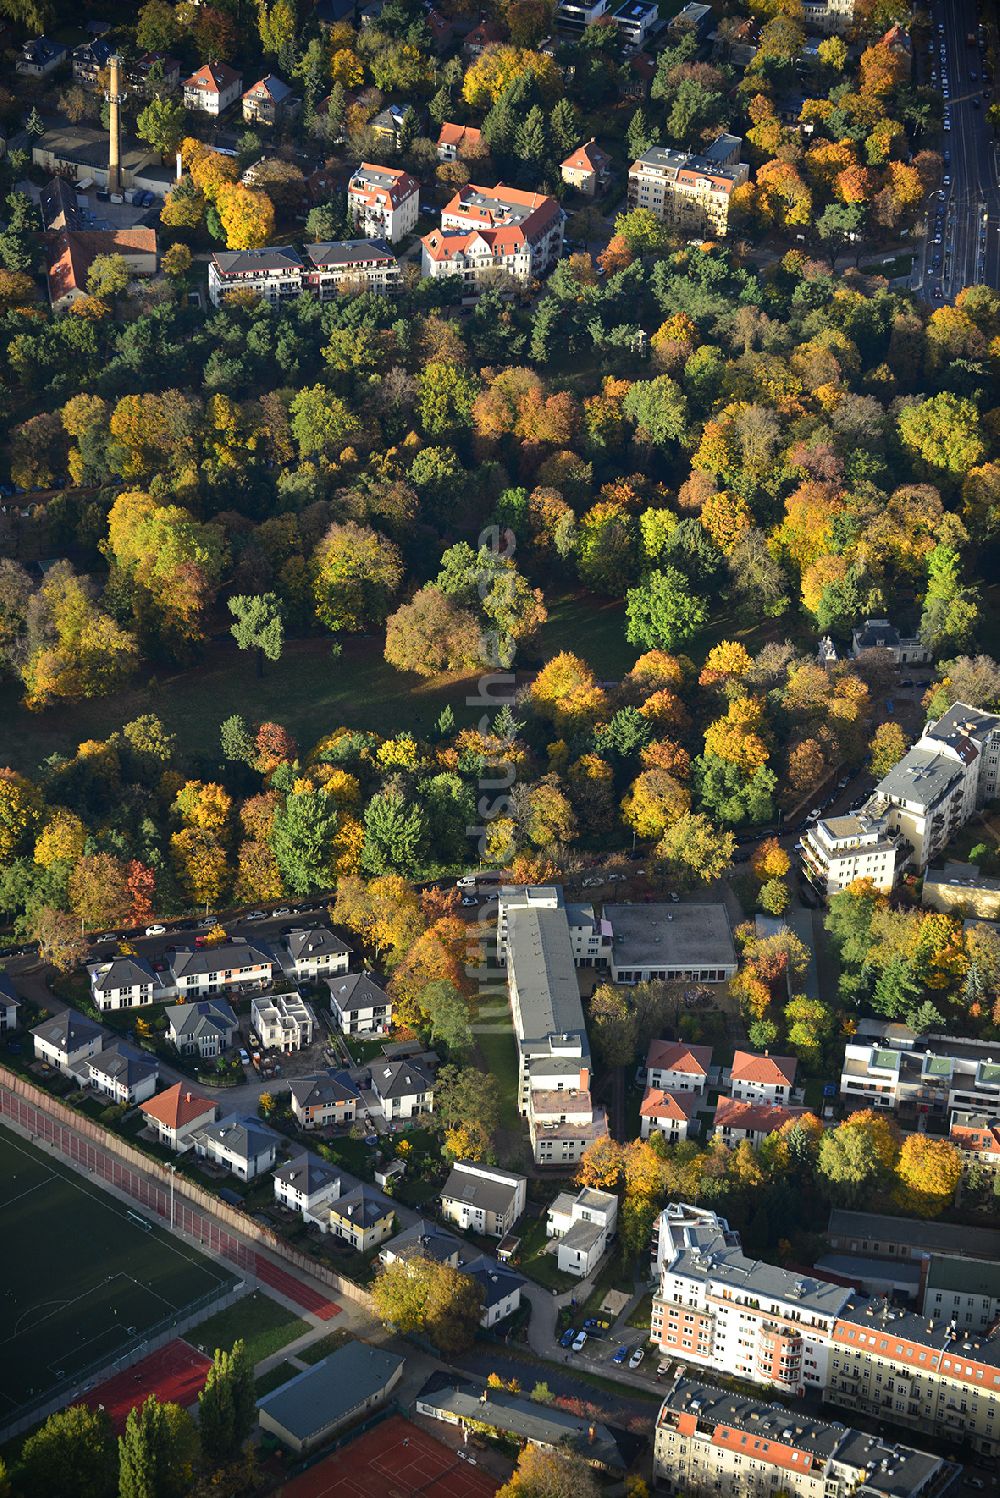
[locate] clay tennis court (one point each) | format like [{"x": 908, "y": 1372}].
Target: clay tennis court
[
  {"x": 175, "y": 1373},
  {"x": 393, "y": 1460}
]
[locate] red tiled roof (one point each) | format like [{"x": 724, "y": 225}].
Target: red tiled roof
[
  {"x": 177, "y": 1106},
  {"x": 761, "y": 1118},
  {"x": 981, "y": 1139},
  {"x": 676, "y": 1055},
  {"x": 660, "y": 1104},
  {"x": 778, "y": 1071},
  {"x": 214, "y": 78},
  {"x": 402, "y": 187},
  {"x": 587, "y": 158},
  {"x": 458, "y": 135},
  {"x": 542, "y": 211},
  {"x": 71, "y": 252}
]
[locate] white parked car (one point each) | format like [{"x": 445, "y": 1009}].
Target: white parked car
[
  {"x": 244, "y": 1056},
  {"x": 156, "y": 930},
  {"x": 579, "y": 1341},
  {"x": 636, "y": 1357}
]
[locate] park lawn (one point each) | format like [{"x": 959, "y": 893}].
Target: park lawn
[
  {"x": 499, "y": 1054},
  {"x": 280, "y": 1374},
  {"x": 308, "y": 691},
  {"x": 322, "y": 1347},
  {"x": 592, "y": 628},
  {"x": 264, "y": 1325}
]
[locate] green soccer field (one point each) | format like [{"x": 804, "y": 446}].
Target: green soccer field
[{"x": 82, "y": 1277}]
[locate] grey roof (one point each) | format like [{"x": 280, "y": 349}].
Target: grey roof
[
  {"x": 241, "y": 1136},
  {"x": 891, "y": 1469},
  {"x": 394, "y": 1079},
  {"x": 968, "y": 1277},
  {"x": 357, "y": 991},
  {"x": 598, "y": 1201},
  {"x": 424, "y": 1240},
  {"x": 322, "y": 1395},
  {"x": 88, "y": 147},
  {"x": 495, "y": 1281},
  {"x": 670, "y": 161},
  {"x": 875, "y": 633},
  {"x": 880, "y": 1315},
  {"x": 582, "y": 1236},
  {"x": 42, "y": 48},
  {"x": 68, "y": 1031},
  {"x": 125, "y": 972},
  {"x": 120, "y": 1064},
  {"x": 540, "y": 955},
  {"x": 243, "y": 262},
  {"x": 962, "y": 722},
  {"x": 226, "y": 957},
  {"x": 348, "y": 252},
  {"x": 8, "y": 993},
  {"x": 58, "y": 199},
  {"x": 276, "y": 88},
  {"x": 310, "y": 1092},
  {"x": 317, "y": 941},
  {"x": 961, "y": 874},
  {"x": 364, "y": 1205},
  {"x": 307, "y": 1173},
  {"x": 389, "y": 118},
  {"x": 97, "y": 52},
  {"x": 922, "y": 776},
  {"x": 193, "y": 1020},
  {"x": 722, "y": 147},
  {"x": 522, "y": 1418},
  {"x": 465, "y": 1184},
  {"x": 932, "y": 1237},
  {"x": 864, "y": 1271},
  {"x": 671, "y": 935}
]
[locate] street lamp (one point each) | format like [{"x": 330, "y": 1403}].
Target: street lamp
[{"x": 173, "y": 1172}]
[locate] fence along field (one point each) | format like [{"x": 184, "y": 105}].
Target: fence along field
[{"x": 86, "y": 1278}]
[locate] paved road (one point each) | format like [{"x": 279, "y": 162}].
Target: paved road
[{"x": 970, "y": 250}]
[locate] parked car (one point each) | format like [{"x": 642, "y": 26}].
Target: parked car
[
  {"x": 255, "y": 915},
  {"x": 620, "y": 1356},
  {"x": 156, "y": 930},
  {"x": 470, "y": 899},
  {"x": 636, "y": 1357},
  {"x": 285, "y": 910},
  {"x": 568, "y": 1337},
  {"x": 579, "y": 1341},
  {"x": 244, "y": 1056},
  {"x": 591, "y": 882},
  {"x": 816, "y": 813}
]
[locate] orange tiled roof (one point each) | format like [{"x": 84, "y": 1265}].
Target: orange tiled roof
[
  {"x": 458, "y": 135},
  {"x": 177, "y": 1106},
  {"x": 761, "y": 1118},
  {"x": 587, "y": 158},
  {"x": 660, "y": 1104},
  {"x": 778, "y": 1071},
  {"x": 675, "y": 1055}
]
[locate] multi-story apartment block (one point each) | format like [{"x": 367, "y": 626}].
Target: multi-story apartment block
[
  {"x": 590, "y": 938},
  {"x": 279, "y": 272},
  {"x": 938, "y": 1074},
  {"x": 574, "y": 17},
  {"x": 720, "y": 1309},
  {"x": 518, "y": 224},
  {"x": 553, "y": 1053},
  {"x": 273, "y": 273},
  {"x": 960, "y": 889},
  {"x": 690, "y": 193},
  {"x": 483, "y": 1198},
  {"x": 977, "y": 1135},
  {"x": 838, "y": 850},
  {"x": 951, "y": 771},
  {"x": 709, "y": 1441},
  {"x": 965, "y": 1292},
  {"x": 383, "y": 201},
  {"x": 828, "y": 16}
]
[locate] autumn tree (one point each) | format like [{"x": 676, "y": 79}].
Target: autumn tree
[
  {"x": 431, "y": 1298},
  {"x": 258, "y": 625},
  {"x": 98, "y": 891},
  {"x": 60, "y": 939},
  {"x": 565, "y": 693},
  {"x": 467, "y": 1103},
  {"x": 432, "y": 633},
  {"x": 929, "y": 1171},
  {"x": 601, "y": 1164},
  {"x": 692, "y": 848},
  {"x": 555, "y": 1473},
  {"x": 889, "y": 744},
  {"x": 356, "y": 572}
]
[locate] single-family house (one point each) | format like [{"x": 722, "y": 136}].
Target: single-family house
[
  {"x": 245, "y": 1147},
  {"x": 383, "y": 201},
  {"x": 9, "y": 1004},
  {"x": 199, "y": 971},
  {"x": 269, "y": 102},
  {"x": 306, "y": 1183},
  {"x": 457, "y": 140},
  {"x": 313, "y": 953},
  {"x": 364, "y": 1218},
  {"x": 70, "y": 253},
  {"x": 122, "y": 983},
  {"x": 501, "y": 1288},
  {"x": 483, "y": 1198},
  {"x": 587, "y": 169},
  {"x": 176, "y": 1114},
  {"x": 403, "y": 1090},
  {"x": 584, "y": 1225},
  {"x": 206, "y": 1028},
  {"x": 90, "y": 59},
  {"x": 212, "y": 88},
  {"x": 387, "y": 125},
  {"x": 669, "y": 1113},
  {"x": 343, "y": 1388},
  {"x": 152, "y": 73},
  {"x": 359, "y": 1005},
  {"x": 122, "y": 1074},
  {"x": 283, "y": 1021},
  {"x": 675, "y": 1066},
  {"x": 762, "y": 1079},
  {"x": 736, "y": 1120},
  {"x": 480, "y": 37},
  {"x": 318, "y": 1102},
  {"x": 39, "y": 57},
  {"x": 423, "y": 1240},
  {"x": 67, "y": 1039}
]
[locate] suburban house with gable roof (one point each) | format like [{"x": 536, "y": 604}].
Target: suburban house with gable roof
[
  {"x": 245, "y": 1147},
  {"x": 364, "y": 1218},
  {"x": 206, "y": 1028},
  {"x": 89, "y": 60},
  {"x": 199, "y": 971},
  {"x": 269, "y": 101},
  {"x": 673, "y": 1114},
  {"x": 67, "y": 1039},
  {"x": 176, "y": 1114},
  {"x": 403, "y": 1090},
  {"x": 9, "y": 1004},
  {"x": 39, "y": 57},
  {"x": 212, "y": 88},
  {"x": 122, "y": 983},
  {"x": 318, "y": 1102},
  {"x": 313, "y": 953},
  {"x": 587, "y": 169},
  {"x": 358, "y": 1005},
  {"x": 762, "y": 1079},
  {"x": 675, "y": 1066},
  {"x": 483, "y": 1198},
  {"x": 125, "y": 1075},
  {"x": 306, "y": 1183},
  {"x": 383, "y": 201},
  {"x": 70, "y": 253},
  {"x": 735, "y": 1120},
  {"x": 454, "y": 140},
  {"x": 584, "y": 1224}
]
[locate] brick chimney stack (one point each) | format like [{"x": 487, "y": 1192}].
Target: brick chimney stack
[{"x": 115, "y": 97}]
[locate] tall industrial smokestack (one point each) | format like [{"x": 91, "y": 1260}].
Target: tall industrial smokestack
[{"x": 115, "y": 103}]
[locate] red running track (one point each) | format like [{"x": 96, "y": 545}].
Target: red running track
[
  {"x": 294, "y": 1289},
  {"x": 175, "y": 1373}
]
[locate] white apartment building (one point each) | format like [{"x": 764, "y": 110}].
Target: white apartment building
[
  {"x": 283, "y": 1021},
  {"x": 278, "y": 272},
  {"x": 515, "y": 224},
  {"x": 690, "y": 193},
  {"x": 935, "y": 1074},
  {"x": 583, "y": 1224},
  {"x": 832, "y": 17},
  {"x": 838, "y": 850},
  {"x": 383, "y": 201},
  {"x": 590, "y": 938},
  {"x": 720, "y": 1309},
  {"x": 274, "y": 273},
  {"x": 709, "y": 1441}
]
